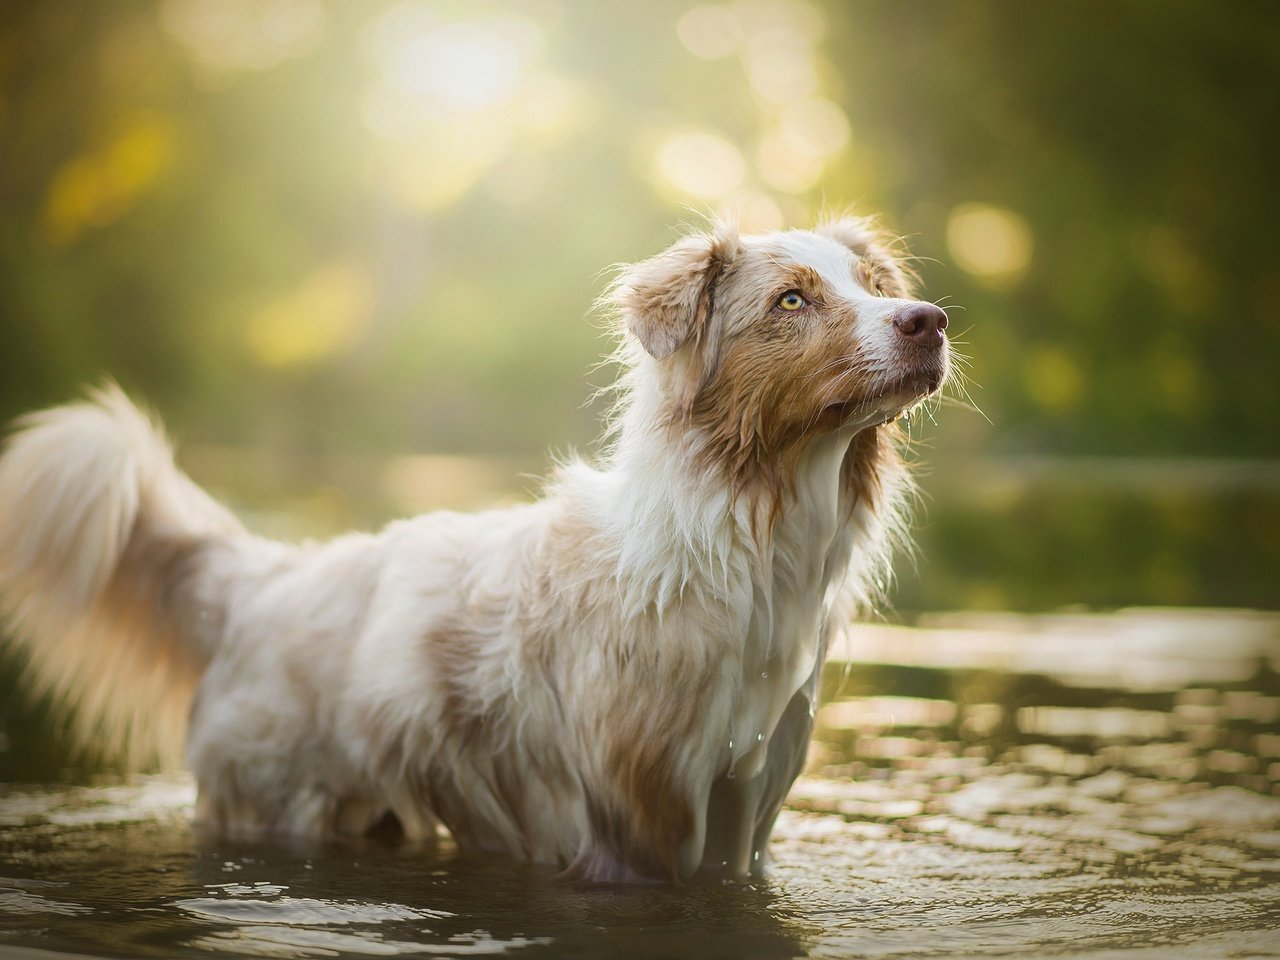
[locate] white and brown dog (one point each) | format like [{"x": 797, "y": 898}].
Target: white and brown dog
[{"x": 619, "y": 678}]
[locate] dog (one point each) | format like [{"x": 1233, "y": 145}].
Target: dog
[{"x": 618, "y": 679}]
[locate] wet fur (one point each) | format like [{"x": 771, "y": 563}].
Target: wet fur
[{"x": 619, "y": 678}]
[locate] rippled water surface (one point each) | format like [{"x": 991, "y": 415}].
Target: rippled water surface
[{"x": 979, "y": 786}]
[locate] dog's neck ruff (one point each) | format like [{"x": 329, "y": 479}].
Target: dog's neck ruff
[
  {"x": 774, "y": 565},
  {"x": 677, "y": 522}
]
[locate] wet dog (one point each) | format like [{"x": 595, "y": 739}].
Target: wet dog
[{"x": 619, "y": 678}]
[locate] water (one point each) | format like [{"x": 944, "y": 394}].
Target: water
[{"x": 985, "y": 786}]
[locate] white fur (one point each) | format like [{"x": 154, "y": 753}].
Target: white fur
[{"x": 496, "y": 671}]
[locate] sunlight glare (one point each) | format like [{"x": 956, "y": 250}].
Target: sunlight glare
[
  {"x": 459, "y": 66},
  {"x": 453, "y": 99}
]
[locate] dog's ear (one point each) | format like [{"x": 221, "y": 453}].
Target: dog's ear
[
  {"x": 871, "y": 244},
  {"x": 668, "y": 299}
]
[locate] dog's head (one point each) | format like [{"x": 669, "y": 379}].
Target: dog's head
[{"x": 761, "y": 343}]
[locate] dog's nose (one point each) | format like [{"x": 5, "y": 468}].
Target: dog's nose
[{"x": 922, "y": 323}]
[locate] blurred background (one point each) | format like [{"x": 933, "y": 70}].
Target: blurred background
[{"x": 349, "y": 251}]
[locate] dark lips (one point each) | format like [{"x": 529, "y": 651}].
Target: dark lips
[{"x": 924, "y": 376}]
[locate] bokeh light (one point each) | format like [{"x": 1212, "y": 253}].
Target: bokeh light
[
  {"x": 702, "y": 164},
  {"x": 990, "y": 242},
  {"x": 325, "y": 314},
  {"x": 793, "y": 154},
  {"x": 227, "y": 36},
  {"x": 1053, "y": 379},
  {"x": 711, "y": 32},
  {"x": 95, "y": 188}
]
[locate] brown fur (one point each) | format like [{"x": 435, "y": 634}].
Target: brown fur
[{"x": 641, "y": 765}]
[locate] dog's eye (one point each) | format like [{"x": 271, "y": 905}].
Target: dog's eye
[{"x": 792, "y": 300}]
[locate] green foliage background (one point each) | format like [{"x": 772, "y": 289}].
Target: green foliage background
[{"x": 166, "y": 197}]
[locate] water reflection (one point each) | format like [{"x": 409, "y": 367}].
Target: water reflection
[{"x": 977, "y": 787}]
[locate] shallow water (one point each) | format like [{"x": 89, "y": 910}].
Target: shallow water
[{"x": 982, "y": 786}]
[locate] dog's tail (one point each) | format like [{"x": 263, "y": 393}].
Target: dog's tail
[{"x": 101, "y": 539}]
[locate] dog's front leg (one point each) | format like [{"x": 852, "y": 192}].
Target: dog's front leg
[{"x": 741, "y": 811}]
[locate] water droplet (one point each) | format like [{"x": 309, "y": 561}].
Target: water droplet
[
  {"x": 756, "y": 855},
  {"x": 764, "y": 675},
  {"x": 759, "y": 737},
  {"x": 730, "y": 744},
  {"x": 724, "y": 863}
]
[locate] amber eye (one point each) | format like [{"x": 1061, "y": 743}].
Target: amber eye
[{"x": 792, "y": 300}]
